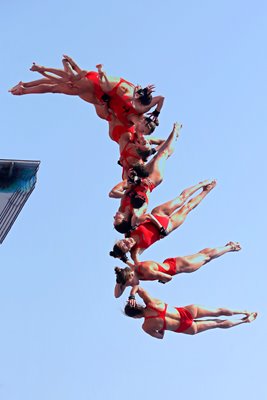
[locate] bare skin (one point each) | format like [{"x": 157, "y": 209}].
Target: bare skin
[
  {"x": 126, "y": 134},
  {"x": 125, "y": 137},
  {"x": 64, "y": 81},
  {"x": 58, "y": 81},
  {"x": 156, "y": 169},
  {"x": 133, "y": 153},
  {"x": 71, "y": 80},
  {"x": 156, "y": 166},
  {"x": 131, "y": 91},
  {"x": 52, "y": 73},
  {"x": 154, "y": 324},
  {"x": 177, "y": 210},
  {"x": 149, "y": 270}
]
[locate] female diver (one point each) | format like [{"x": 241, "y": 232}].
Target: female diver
[
  {"x": 162, "y": 221},
  {"x": 164, "y": 271},
  {"x": 160, "y": 317},
  {"x": 121, "y": 97},
  {"x": 135, "y": 192}
]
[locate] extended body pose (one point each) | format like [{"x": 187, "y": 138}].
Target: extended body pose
[
  {"x": 163, "y": 220},
  {"x": 135, "y": 192},
  {"x": 160, "y": 317},
  {"x": 95, "y": 88},
  {"x": 163, "y": 272}
]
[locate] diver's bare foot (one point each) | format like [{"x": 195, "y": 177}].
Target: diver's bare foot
[
  {"x": 36, "y": 67},
  {"x": 246, "y": 313},
  {"x": 251, "y": 317},
  {"x": 205, "y": 182},
  {"x": 65, "y": 62},
  {"x": 69, "y": 59},
  {"x": 235, "y": 246},
  {"x": 211, "y": 185},
  {"x": 176, "y": 128},
  {"x": 17, "y": 89}
]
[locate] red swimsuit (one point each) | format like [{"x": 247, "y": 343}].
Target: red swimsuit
[
  {"x": 94, "y": 77},
  {"x": 171, "y": 262},
  {"x": 186, "y": 319},
  {"x": 161, "y": 314},
  {"x": 145, "y": 186},
  {"x": 129, "y": 153},
  {"x": 171, "y": 271},
  {"x": 121, "y": 104},
  {"x": 126, "y": 204},
  {"x": 119, "y": 130},
  {"x": 148, "y": 233}
]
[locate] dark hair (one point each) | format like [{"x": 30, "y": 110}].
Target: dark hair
[
  {"x": 133, "y": 178},
  {"x": 144, "y": 154},
  {"x": 123, "y": 227},
  {"x": 122, "y": 274},
  {"x": 105, "y": 98},
  {"x": 133, "y": 311},
  {"x": 145, "y": 98},
  {"x": 150, "y": 124},
  {"x": 137, "y": 200},
  {"x": 118, "y": 253},
  {"x": 141, "y": 170}
]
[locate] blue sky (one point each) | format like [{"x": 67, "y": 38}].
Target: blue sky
[{"x": 63, "y": 335}]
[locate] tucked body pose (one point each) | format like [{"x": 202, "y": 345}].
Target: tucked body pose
[
  {"x": 123, "y": 134},
  {"x": 160, "y": 317},
  {"x": 163, "y": 272},
  {"x": 126, "y": 100},
  {"x": 134, "y": 147},
  {"x": 135, "y": 191},
  {"x": 137, "y": 153},
  {"x": 160, "y": 222}
]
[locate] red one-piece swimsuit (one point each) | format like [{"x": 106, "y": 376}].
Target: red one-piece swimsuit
[
  {"x": 148, "y": 233},
  {"x": 144, "y": 188},
  {"x": 160, "y": 314},
  {"x": 94, "y": 78},
  {"x": 119, "y": 130},
  {"x": 125, "y": 204},
  {"x": 121, "y": 104},
  {"x": 142, "y": 272},
  {"x": 129, "y": 153},
  {"x": 186, "y": 319}
]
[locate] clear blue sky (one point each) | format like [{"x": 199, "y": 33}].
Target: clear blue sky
[{"x": 63, "y": 335}]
